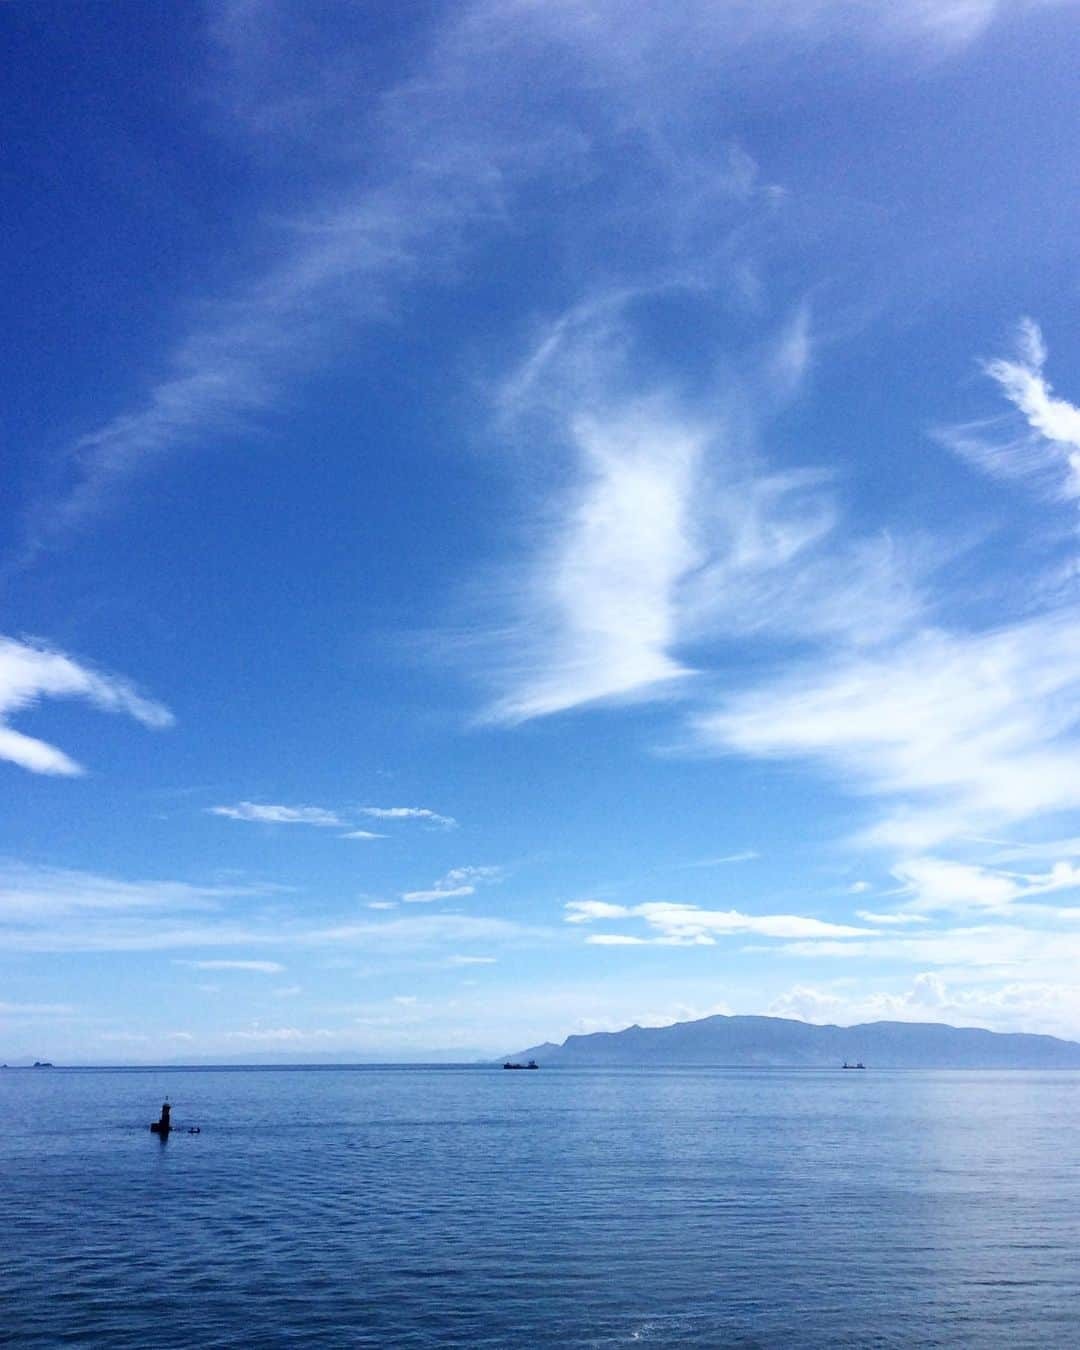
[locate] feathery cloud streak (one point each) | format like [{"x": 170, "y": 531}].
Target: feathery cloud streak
[
  {"x": 30, "y": 672},
  {"x": 1048, "y": 451},
  {"x": 459, "y": 881},
  {"x": 670, "y": 532},
  {"x": 676, "y": 924},
  {"x": 409, "y": 813},
  {"x": 445, "y": 149},
  {"x": 601, "y": 599},
  {"x": 268, "y": 814},
  {"x": 57, "y": 910},
  {"x": 960, "y": 732}
]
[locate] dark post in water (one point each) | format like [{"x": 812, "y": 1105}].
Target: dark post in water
[{"x": 162, "y": 1126}]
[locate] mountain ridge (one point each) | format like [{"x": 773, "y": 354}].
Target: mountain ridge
[{"x": 748, "y": 1040}]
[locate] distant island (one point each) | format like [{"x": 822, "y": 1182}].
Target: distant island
[{"x": 783, "y": 1042}]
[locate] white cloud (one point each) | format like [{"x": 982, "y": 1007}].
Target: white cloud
[
  {"x": 436, "y": 893},
  {"x": 600, "y": 602},
  {"x": 268, "y": 814},
  {"x": 58, "y": 909},
  {"x": 427, "y": 930},
  {"x": 681, "y": 922},
  {"x": 445, "y": 150},
  {"x": 31, "y": 895},
  {"x": 1024, "y": 1005},
  {"x": 585, "y": 911},
  {"x": 661, "y": 530},
  {"x": 1048, "y": 850},
  {"x": 262, "y": 967},
  {"x": 363, "y": 834},
  {"x": 459, "y": 881},
  {"x": 960, "y": 732},
  {"x": 409, "y": 813},
  {"x": 1047, "y": 449},
  {"x": 938, "y": 884},
  {"x": 677, "y": 924},
  {"x": 30, "y": 672},
  {"x": 1024, "y": 385}
]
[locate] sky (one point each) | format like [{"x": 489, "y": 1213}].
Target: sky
[{"x": 522, "y": 518}]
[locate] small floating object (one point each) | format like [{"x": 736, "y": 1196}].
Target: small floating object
[
  {"x": 846, "y": 1065},
  {"x": 532, "y": 1064},
  {"x": 195, "y": 1129},
  {"x": 40, "y": 1064},
  {"x": 162, "y": 1126}
]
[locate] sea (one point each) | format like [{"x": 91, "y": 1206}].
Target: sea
[{"x": 420, "y": 1207}]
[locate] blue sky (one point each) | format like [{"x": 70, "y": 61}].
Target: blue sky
[{"x": 522, "y": 518}]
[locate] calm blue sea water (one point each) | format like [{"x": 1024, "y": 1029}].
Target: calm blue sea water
[{"x": 473, "y": 1207}]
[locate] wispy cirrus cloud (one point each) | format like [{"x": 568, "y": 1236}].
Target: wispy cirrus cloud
[
  {"x": 56, "y": 910},
  {"x": 459, "y": 881},
  {"x": 723, "y": 860},
  {"x": 675, "y": 924},
  {"x": 269, "y": 813},
  {"x": 955, "y": 732},
  {"x": 52, "y": 909},
  {"x": 433, "y": 930},
  {"x": 31, "y": 894},
  {"x": 665, "y": 531},
  {"x": 446, "y": 148},
  {"x": 933, "y": 885},
  {"x": 585, "y": 911},
  {"x": 409, "y": 813},
  {"x": 265, "y": 813},
  {"x": 30, "y": 672},
  {"x": 600, "y": 598},
  {"x": 1042, "y": 443}
]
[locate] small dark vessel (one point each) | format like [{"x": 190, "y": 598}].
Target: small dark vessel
[
  {"x": 42, "y": 1064},
  {"x": 162, "y": 1126},
  {"x": 846, "y": 1065},
  {"x": 532, "y": 1064}
]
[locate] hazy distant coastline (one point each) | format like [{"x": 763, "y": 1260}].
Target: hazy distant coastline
[
  {"x": 784, "y": 1042},
  {"x": 720, "y": 1041}
]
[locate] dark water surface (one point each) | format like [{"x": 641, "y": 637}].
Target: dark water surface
[{"x": 473, "y": 1207}]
